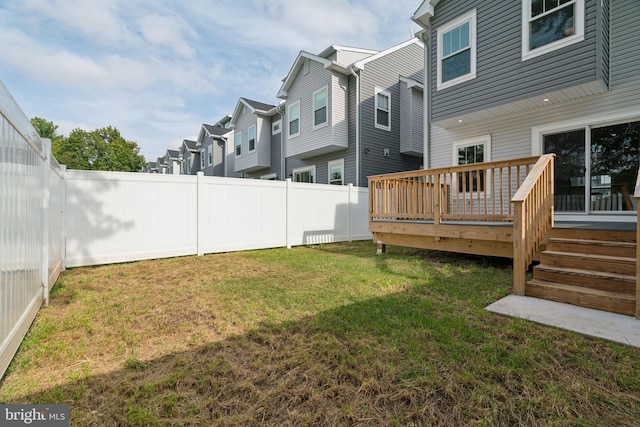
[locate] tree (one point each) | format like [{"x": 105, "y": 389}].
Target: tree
[
  {"x": 101, "y": 149},
  {"x": 46, "y": 129}
]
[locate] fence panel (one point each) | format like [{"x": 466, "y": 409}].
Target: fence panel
[
  {"x": 241, "y": 214},
  {"x": 120, "y": 217},
  {"x": 318, "y": 213},
  {"x": 56, "y": 221},
  {"x": 22, "y": 165}
]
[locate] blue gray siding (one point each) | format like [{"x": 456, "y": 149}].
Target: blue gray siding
[
  {"x": 502, "y": 76},
  {"x": 511, "y": 135},
  {"x": 260, "y": 158}
]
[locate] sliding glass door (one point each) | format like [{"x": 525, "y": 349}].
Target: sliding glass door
[{"x": 603, "y": 181}]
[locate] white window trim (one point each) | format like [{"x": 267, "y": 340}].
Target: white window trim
[
  {"x": 270, "y": 176},
  {"x": 375, "y": 110},
  {"x": 326, "y": 106},
  {"x": 202, "y": 158},
  {"x": 235, "y": 138},
  {"x": 255, "y": 139},
  {"x": 483, "y": 139},
  {"x": 558, "y": 44},
  {"x": 311, "y": 169},
  {"x": 332, "y": 163},
  {"x": 273, "y": 127},
  {"x": 468, "y": 17},
  {"x": 289, "y": 107}
]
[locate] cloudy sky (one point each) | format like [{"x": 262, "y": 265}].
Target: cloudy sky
[{"x": 158, "y": 69}]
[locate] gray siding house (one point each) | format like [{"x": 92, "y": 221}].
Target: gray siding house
[
  {"x": 515, "y": 79},
  {"x": 172, "y": 162},
  {"x": 342, "y": 113},
  {"x": 189, "y": 158},
  {"x": 212, "y": 145},
  {"x": 257, "y": 143}
]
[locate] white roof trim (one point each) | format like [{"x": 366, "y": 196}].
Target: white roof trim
[
  {"x": 412, "y": 83},
  {"x": 360, "y": 64},
  {"x": 337, "y": 48},
  {"x": 297, "y": 64},
  {"x": 425, "y": 12}
]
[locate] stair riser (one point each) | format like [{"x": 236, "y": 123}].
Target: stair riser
[
  {"x": 610, "y": 235},
  {"x": 593, "y": 282},
  {"x": 609, "y": 250},
  {"x": 613, "y": 305},
  {"x": 604, "y": 265}
]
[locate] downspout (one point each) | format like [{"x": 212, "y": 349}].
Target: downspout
[
  {"x": 283, "y": 158},
  {"x": 424, "y": 36},
  {"x": 357, "y": 77}
]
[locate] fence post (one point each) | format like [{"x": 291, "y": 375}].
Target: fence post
[
  {"x": 63, "y": 231},
  {"x": 200, "y": 215},
  {"x": 349, "y": 210},
  {"x": 46, "y": 182},
  {"x": 288, "y": 210}
]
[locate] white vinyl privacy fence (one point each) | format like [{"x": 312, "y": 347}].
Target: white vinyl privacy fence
[
  {"x": 52, "y": 218},
  {"x": 118, "y": 217},
  {"x": 31, "y": 224}
]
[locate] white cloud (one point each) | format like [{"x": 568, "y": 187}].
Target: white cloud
[{"x": 167, "y": 31}]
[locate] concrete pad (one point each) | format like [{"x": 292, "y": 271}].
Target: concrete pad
[{"x": 586, "y": 321}]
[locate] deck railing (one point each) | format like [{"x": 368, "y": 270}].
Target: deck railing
[
  {"x": 636, "y": 195},
  {"x": 476, "y": 192},
  {"x": 533, "y": 204}
]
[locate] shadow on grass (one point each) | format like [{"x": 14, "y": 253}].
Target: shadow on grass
[{"x": 425, "y": 356}]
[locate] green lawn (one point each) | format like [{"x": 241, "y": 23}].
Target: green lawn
[{"x": 316, "y": 335}]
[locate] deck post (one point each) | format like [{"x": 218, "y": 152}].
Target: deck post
[
  {"x": 438, "y": 200},
  {"x": 519, "y": 250},
  {"x": 636, "y": 195},
  {"x": 637, "y": 264}
]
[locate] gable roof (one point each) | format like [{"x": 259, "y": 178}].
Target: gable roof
[
  {"x": 214, "y": 131},
  {"x": 223, "y": 122},
  {"x": 189, "y": 145},
  {"x": 361, "y": 64},
  {"x": 322, "y": 59},
  {"x": 173, "y": 154},
  {"x": 255, "y": 107}
]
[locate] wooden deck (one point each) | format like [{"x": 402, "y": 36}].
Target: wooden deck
[{"x": 502, "y": 209}]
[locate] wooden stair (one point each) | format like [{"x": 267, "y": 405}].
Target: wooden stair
[{"x": 589, "y": 268}]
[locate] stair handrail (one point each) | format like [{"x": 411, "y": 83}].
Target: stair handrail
[
  {"x": 533, "y": 217},
  {"x": 636, "y": 196}
]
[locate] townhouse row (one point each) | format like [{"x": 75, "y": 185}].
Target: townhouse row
[{"x": 346, "y": 113}]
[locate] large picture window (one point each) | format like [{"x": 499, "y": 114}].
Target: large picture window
[
  {"x": 548, "y": 25},
  {"x": 293, "y": 116},
  {"x": 457, "y": 51},
  {"x": 320, "y": 107}
]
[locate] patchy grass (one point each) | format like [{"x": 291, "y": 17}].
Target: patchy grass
[{"x": 319, "y": 335}]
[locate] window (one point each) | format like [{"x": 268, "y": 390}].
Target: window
[
  {"x": 202, "y": 159},
  {"x": 383, "y": 109},
  {"x": 252, "y": 138},
  {"x": 320, "y": 107},
  {"x": 307, "y": 174},
  {"x": 276, "y": 127},
  {"x": 548, "y": 25},
  {"x": 457, "y": 51},
  {"x": 210, "y": 155},
  {"x": 238, "y": 143},
  {"x": 468, "y": 152},
  {"x": 293, "y": 112},
  {"x": 336, "y": 172}
]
